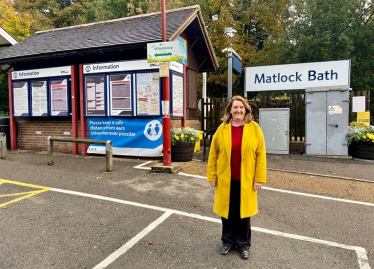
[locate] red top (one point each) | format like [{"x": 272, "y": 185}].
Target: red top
[{"x": 236, "y": 154}]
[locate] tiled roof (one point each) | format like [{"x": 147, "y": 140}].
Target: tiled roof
[{"x": 120, "y": 32}]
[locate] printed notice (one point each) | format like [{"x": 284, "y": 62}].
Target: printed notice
[
  {"x": 120, "y": 86},
  {"x": 59, "y": 97},
  {"x": 148, "y": 93},
  {"x": 335, "y": 110},
  {"x": 358, "y": 104},
  {"x": 95, "y": 96},
  {"x": 177, "y": 91},
  {"x": 39, "y": 102},
  {"x": 21, "y": 99}
]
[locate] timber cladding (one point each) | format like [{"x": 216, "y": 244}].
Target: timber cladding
[{"x": 32, "y": 133}]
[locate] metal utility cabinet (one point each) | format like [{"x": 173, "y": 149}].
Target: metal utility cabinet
[
  {"x": 275, "y": 124},
  {"x": 327, "y": 112}
]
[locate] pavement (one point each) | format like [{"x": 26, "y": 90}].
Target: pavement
[
  {"x": 350, "y": 168},
  {"x": 75, "y": 215}
]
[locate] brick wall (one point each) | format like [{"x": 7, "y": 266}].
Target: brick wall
[
  {"x": 189, "y": 123},
  {"x": 32, "y": 134}
]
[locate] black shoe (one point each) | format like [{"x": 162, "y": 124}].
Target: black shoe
[
  {"x": 225, "y": 250},
  {"x": 244, "y": 254}
]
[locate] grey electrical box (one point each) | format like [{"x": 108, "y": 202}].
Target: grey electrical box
[
  {"x": 275, "y": 124},
  {"x": 327, "y": 112}
]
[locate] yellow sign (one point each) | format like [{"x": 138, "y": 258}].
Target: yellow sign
[{"x": 363, "y": 117}]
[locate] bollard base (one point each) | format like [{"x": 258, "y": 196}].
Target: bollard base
[{"x": 160, "y": 167}]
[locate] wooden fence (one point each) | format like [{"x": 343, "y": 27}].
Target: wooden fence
[{"x": 215, "y": 109}]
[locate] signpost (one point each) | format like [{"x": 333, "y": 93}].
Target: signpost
[
  {"x": 163, "y": 51},
  {"x": 231, "y": 54}
]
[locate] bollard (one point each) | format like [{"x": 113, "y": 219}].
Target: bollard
[
  {"x": 109, "y": 156},
  {"x": 51, "y": 160},
  {"x": 3, "y": 154}
]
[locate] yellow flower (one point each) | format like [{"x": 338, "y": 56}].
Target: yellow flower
[
  {"x": 187, "y": 127},
  {"x": 192, "y": 139},
  {"x": 180, "y": 129},
  {"x": 364, "y": 136},
  {"x": 182, "y": 135},
  {"x": 176, "y": 137}
]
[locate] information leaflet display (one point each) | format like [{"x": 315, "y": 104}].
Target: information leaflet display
[
  {"x": 21, "y": 99},
  {"x": 59, "y": 97},
  {"x": 120, "y": 86},
  {"x": 177, "y": 91},
  {"x": 39, "y": 102},
  {"x": 95, "y": 96},
  {"x": 148, "y": 94}
]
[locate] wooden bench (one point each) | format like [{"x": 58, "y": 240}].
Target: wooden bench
[
  {"x": 107, "y": 143},
  {"x": 3, "y": 153}
]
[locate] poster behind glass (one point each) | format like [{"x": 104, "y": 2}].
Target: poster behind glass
[
  {"x": 120, "y": 86},
  {"x": 21, "y": 99},
  {"x": 95, "y": 96},
  {"x": 59, "y": 97},
  {"x": 148, "y": 94},
  {"x": 177, "y": 91},
  {"x": 39, "y": 101}
]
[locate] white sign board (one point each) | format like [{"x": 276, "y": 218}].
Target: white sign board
[
  {"x": 118, "y": 66},
  {"x": 163, "y": 52},
  {"x": 358, "y": 104},
  {"x": 42, "y": 73},
  {"x": 297, "y": 76}
]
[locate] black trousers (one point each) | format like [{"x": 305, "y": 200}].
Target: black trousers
[{"x": 236, "y": 231}]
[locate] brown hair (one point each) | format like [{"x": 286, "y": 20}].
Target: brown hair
[{"x": 248, "y": 111}]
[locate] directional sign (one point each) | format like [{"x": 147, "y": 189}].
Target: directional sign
[{"x": 163, "y": 52}]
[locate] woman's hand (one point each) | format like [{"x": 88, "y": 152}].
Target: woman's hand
[
  {"x": 257, "y": 186},
  {"x": 213, "y": 183}
]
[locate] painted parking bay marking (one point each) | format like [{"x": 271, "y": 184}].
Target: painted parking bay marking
[{"x": 21, "y": 195}]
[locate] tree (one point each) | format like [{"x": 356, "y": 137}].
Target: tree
[
  {"x": 54, "y": 13},
  {"x": 15, "y": 23},
  {"x": 336, "y": 30}
]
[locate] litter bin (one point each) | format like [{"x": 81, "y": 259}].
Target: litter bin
[{"x": 5, "y": 128}]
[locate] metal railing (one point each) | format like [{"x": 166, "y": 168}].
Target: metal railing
[{"x": 107, "y": 143}]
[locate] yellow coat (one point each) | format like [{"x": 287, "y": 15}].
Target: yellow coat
[{"x": 253, "y": 168}]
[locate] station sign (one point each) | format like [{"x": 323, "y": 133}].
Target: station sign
[{"x": 298, "y": 76}]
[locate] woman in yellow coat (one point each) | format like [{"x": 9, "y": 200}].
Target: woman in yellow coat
[{"x": 237, "y": 169}]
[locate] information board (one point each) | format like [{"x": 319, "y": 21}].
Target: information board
[
  {"x": 148, "y": 94},
  {"x": 178, "y": 97},
  {"x": 120, "y": 89},
  {"x": 95, "y": 95},
  {"x": 21, "y": 99},
  {"x": 59, "y": 97},
  {"x": 39, "y": 100}
]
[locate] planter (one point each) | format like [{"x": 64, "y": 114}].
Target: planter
[
  {"x": 182, "y": 152},
  {"x": 362, "y": 150}
]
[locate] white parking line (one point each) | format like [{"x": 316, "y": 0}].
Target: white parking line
[
  {"x": 115, "y": 255},
  {"x": 361, "y": 253},
  {"x": 278, "y": 190}
]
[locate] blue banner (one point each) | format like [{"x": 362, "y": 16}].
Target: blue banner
[{"x": 130, "y": 136}]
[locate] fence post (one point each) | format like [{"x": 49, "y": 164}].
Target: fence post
[
  {"x": 109, "y": 156},
  {"x": 51, "y": 160},
  {"x": 3, "y": 146}
]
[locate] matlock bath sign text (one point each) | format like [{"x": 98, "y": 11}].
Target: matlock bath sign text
[{"x": 298, "y": 76}]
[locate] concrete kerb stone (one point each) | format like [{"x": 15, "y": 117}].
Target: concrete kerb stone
[{"x": 158, "y": 166}]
